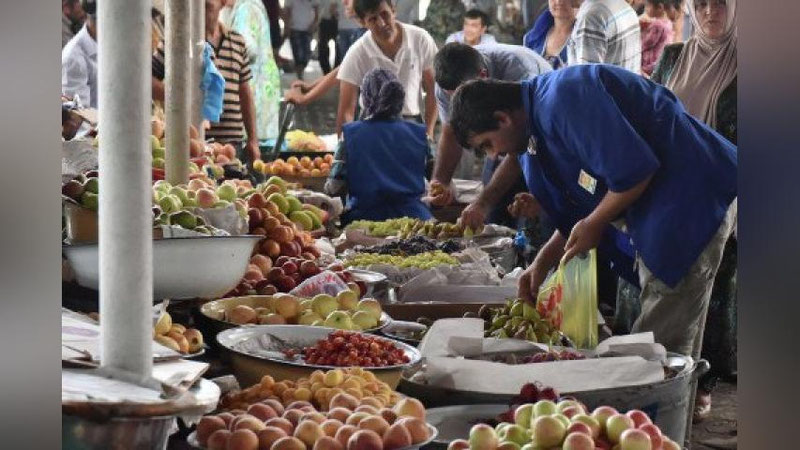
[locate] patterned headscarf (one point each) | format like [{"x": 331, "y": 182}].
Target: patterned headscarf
[{"x": 382, "y": 95}]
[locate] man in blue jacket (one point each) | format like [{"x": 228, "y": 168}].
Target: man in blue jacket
[{"x": 608, "y": 151}]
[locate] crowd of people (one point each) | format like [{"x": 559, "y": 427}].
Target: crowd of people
[{"x": 612, "y": 121}]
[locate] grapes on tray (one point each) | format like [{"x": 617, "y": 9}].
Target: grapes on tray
[
  {"x": 413, "y": 246},
  {"x": 344, "y": 349},
  {"x": 426, "y": 260}
]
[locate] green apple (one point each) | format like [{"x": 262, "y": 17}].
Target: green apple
[
  {"x": 543, "y": 408},
  {"x": 308, "y": 317},
  {"x": 170, "y": 203},
  {"x": 616, "y": 425},
  {"x": 183, "y": 219},
  {"x": 339, "y": 320},
  {"x": 529, "y": 312},
  {"x": 564, "y": 419},
  {"x": 348, "y": 300},
  {"x": 305, "y": 305},
  {"x": 371, "y": 306},
  {"x": 364, "y": 320},
  {"x": 221, "y": 204},
  {"x": 92, "y": 185},
  {"x": 589, "y": 421},
  {"x": 159, "y": 153},
  {"x": 154, "y": 142},
  {"x": 294, "y": 204},
  {"x": 522, "y": 415},
  {"x": 159, "y": 163},
  {"x": 482, "y": 437},
  {"x": 547, "y": 431},
  {"x": 516, "y": 434},
  {"x": 324, "y": 304},
  {"x": 226, "y": 192},
  {"x": 318, "y": 323},
  {"x": 162, "y": 185},
  {"x": 180, "y": 193},
  {"x": 508, "y": 445},
  {"x": 90, "y": 200}
]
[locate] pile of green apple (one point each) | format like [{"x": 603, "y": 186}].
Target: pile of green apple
[
  {"x": 567, "y": 425},
  {"x": 343, "y": 312},
  {"x": 519, "y": 320},
  {"x": 83, "y": 189}
]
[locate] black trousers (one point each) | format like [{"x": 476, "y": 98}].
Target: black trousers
[{"x": 328, "y": 30}]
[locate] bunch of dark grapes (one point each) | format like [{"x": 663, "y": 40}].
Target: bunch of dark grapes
[
  {"x": 564, "y": 355},
  {"x": 451, "y": 246},
  {"x": 530, "y": 393},
  {"x": 412, "y": 246}
]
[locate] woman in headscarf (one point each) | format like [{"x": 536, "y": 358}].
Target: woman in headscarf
[
  {"x": 551, "y": 31},
  {"x": 702, "y": 73},
  {"x": 249, "y": 18},
  {"x": 380, "y": 163}
]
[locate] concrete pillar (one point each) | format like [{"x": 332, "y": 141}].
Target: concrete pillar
[
  {"x": 178, "y": 85},
  {"x": 126, "y": 234},
  {"x": 198, "y": 45}
]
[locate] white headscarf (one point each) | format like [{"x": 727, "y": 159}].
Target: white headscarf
[{"x": 705, "y": 67}]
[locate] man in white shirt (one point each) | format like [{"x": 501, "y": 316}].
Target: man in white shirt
[
  {"x": 72, "y": 18},
  {"x": 606, "y": 31},
  {"x": 79, "y": 61},
  {"x": 406, "y": 50}
]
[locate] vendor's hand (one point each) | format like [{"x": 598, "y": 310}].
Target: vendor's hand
[
  {"x": 524, "y": 205},
  {"x": 530, "y": 281},
  {"x": 473, "y": 216},
  {"x": 441, "y": 194},
  {"x": 301, "y": 85},
  {"x": 252, "y": 150},
  {"x": 585, "y": 235},
  {"x": 295, "y": 96}
]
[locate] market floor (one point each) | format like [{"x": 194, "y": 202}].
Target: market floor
[{"x": 718, "y": 431}]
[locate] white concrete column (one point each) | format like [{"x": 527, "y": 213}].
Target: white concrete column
[
  {"x": 126, "y": 234},
  {"x": 198, "y": 45},
  {"x": 178, "y": 85}
]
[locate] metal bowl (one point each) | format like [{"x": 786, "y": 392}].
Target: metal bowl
[
  {"x": 249, "y": 368},
  {"x": 432, "y": 431},
  {"x": 212, "y": 313},
  {"x": 190, "y": 267},
  {"x": 454, "y": 422}
]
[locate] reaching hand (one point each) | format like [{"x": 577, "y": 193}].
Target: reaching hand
[
  {"x": 473, "y": 216},
  {"x": 252, "y": 150},
  {"x": 441, "y": 195},
  {"x": 295, "y": 96},
  {"x": 524, "y": 205},
  {"x": 585, "y": 235},
  {"x": 529, "y": 283}
]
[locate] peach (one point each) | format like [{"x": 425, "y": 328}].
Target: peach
[
  {"x": 288, "y": 443},
  {"x": 458, "y": 444},
  {"x": 339, "y": 413},
  {"x": 195, "y": 338},
  {"x": 242, "y": 314},
  {"x": 331, "y": 426},
  {"x": 183, "y": 343},
  {"x": 410, "y": 407},
  {"x": 344, "y": 432},
  {"x": 417, "y": 428},
  {"x": 356, "y": 418},
  {"x": 243, "y": 439},
  {"x": 309, "y": 432},
  {"x": 396, "y": 436},
  {"x": 374, "y": 423},
  {"x": 388, "y": 415},
  {"x": 247, "y": 421},
  {"x": 262, "y": 411},
  {"x": 275, "y": 404},
  {"x": 262, "y": 262},
  {"x": 365, "y": 440},
  {"x": 269, "y": 436},
  {"x": 293, "y": 416},
  {"x": 208, "y": 425},
  {"x": 227, "y": 418},
  {"x": 298, "y": 404},
  {"x": 327, "y": 443},
  {"x": 218, "y": 440},
  {"x": 314, "y": 416},
  {"x": 344, "y": 400},
  {"x": 282, "y": 423},
  {"x": 369, "y": 409}
]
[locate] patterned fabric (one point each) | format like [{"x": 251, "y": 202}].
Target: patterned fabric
[
  {"x": 443, "y": 17},
  {"x": 382, "y": 95},
  {"x": 726, "y": 106},
  {"x": 606, "y": 31},
  {"x": 249, "y": 18},
  {"x": 656, "y": 34}
]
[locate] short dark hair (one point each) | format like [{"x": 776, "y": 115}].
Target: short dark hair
[
  {"x": 456, "y": 63},
  {"x": 663, "y": 3},
  {"x": 362, "y": 7},
  {"x": 477, "y": 14},
  {"x": 475, "y": 102}
]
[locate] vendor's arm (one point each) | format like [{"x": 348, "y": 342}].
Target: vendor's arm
[
  {"x": 508, "y": 173},
  {"x": 586, "y": 234},
  {"x": 317, "y": 89},
  {"x": 348, "y": 95},
  {"x": 249, "y": 117},
  {"x": 428, "y": 84},
  {"x": 535, "y": 274}
]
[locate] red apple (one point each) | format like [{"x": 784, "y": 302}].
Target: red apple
[
  {"x": 654, "y": 432},
  {"x": 283, "y": 259},
  {"x": 289, "y": 268},
  {"x": 275, "y": 274},
  {"x": 633, "y": 439},
  {"x": 639, "y": 417}
]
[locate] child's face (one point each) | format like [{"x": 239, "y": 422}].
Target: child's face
[{"x": 654, "y": 9}]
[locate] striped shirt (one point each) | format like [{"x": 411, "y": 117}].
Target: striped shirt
[
  {"x": 606, "y": 31},
  {"x": 232, "y": 62}
]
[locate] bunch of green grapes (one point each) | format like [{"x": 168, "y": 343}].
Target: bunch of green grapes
[
  {"x": 425, "y": 260},
  {"x": 383, "y": 228}
]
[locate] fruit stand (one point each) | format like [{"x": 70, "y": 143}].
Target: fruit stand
[{"x": 232, "y": 313}]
